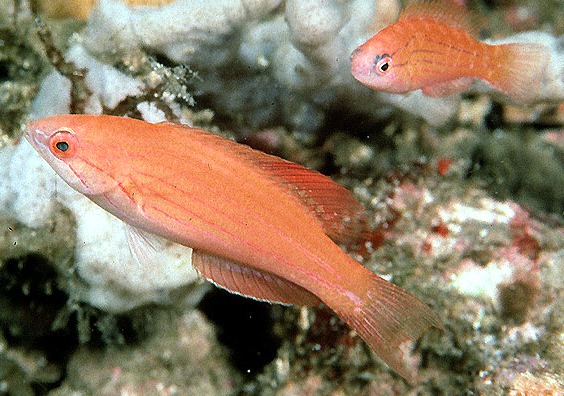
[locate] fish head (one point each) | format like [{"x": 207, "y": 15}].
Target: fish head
[
  {"x": 73, "y": 148},
  {"x": 375, "y": 64}
]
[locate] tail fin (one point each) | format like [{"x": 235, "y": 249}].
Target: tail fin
[
  {"x": 387, "y": 319},
  {"x": 521, "y": 69}
]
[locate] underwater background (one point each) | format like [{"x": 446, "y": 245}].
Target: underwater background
[{"x": 465, "y": 195}]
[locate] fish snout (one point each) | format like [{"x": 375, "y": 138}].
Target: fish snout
[
  {"x": 356, "y": 53},
  {"x": 36, "y": 136},
  {"x": 361, "y": 64}
]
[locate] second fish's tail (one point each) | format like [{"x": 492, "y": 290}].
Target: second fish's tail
[{"x": 519, "y": 69}]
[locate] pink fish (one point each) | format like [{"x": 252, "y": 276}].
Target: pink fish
[
  {"x": 432, "y": 47},
  {"x": 260, "y": 226}
]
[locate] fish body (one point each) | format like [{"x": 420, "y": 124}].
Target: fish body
[
  {"x": 259, "y": 225},
  {"x": 432, "y": 47}
]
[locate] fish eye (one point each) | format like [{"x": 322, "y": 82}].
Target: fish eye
[
  {"x": 63, "y": 143},
  {"x": 62, "y": 146},
  {"x": 383, "y": 63}
]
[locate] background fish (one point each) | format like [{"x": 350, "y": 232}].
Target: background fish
[
  {"x": 260, "y": 226},
  {"x": 432, "y": 47}
]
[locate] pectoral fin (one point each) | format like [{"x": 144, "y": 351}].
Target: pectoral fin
[
  {"x": 447, "y": 88},
  {"x": 147, "y": 249}
]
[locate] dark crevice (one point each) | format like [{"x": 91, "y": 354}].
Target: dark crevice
[{"x": 244, "y": 327}]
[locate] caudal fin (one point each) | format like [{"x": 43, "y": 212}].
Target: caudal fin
[
  {"x": 387, "y": 319},
  {"x": 521, "y": 69}
]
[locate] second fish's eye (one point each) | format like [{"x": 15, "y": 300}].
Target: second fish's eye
[{"x": 383, "y": 63}]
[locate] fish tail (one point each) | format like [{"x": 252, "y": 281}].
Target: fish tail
[
  {"x": 521, "y": 69},
  {"x": 387, "y": 318}
]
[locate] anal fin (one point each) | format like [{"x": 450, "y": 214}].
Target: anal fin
[{"x": 250, "y": 282}]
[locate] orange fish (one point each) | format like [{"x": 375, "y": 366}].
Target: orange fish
[
  {"x": 260, "y": 226},
  {"x": 432, "y": 47}
]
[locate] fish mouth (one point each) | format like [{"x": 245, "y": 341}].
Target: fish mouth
[
  {"x": 356, "y": 52},
  {"x": 361, "y": 65},
  {"x": 35, "y": 140},
  {"x": 36, "y": 137}
]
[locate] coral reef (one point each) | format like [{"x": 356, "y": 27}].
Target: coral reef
[
  {"x": 467, "y": 216},
  {"x": 299, "y": 49},
  {"x": 20, "y": 68},
  {"x": 80, "y": 9},
  {"x": 180, "y": 357},
  {"x": 488, "y": 268}
]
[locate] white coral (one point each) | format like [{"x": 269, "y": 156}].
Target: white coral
[
  {"x": 269, "y": 61},
  {"x": 292, "y": 55}
]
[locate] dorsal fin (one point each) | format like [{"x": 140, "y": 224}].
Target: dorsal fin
[
  {"x": 445, "y": 11},
  {"x": 342, "y": 217}
]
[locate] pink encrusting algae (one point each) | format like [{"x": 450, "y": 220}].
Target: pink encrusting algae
[{"x": 260, "y": 226}]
